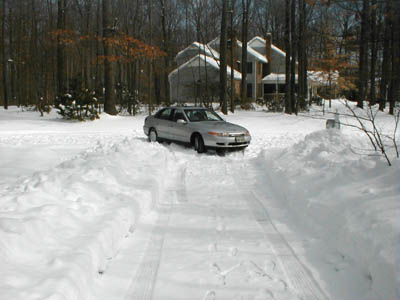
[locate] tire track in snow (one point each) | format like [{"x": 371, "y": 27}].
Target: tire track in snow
[
  {"x": 304, "y": 285},
  {"x": 143, "y": 283}
]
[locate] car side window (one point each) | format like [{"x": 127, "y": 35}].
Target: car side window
[
  {"x": 165, "y": 114},
  {"x": 178, "y": 115}
]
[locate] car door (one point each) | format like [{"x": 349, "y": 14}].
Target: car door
[
  {"x": 163, "y": 126},
  {"x": 179, "y": 132}
]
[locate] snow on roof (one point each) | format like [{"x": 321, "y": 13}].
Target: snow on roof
[
  {"x": 195, "y": 62},
  {"x": 275, "y": 78},
  {"x": 214, "y": 41},
  {"x": 261, "y": 40},
  {"x": 205, "y": 48},
  {"x": 250, "y": 50},
  {"x": 253, "y": 52}
]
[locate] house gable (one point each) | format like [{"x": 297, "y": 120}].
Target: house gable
[
  {"x": 258, "y": 44},
  {"x": 195, "y": 49}
]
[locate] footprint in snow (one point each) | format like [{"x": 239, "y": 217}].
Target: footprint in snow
[
  {"x": 269, "y": 264},
  {"x": 264, "y": 294},
  {"x": 233, "y": 251},
  {"x": 220, "y": 227},
  {"x": 210, "y": 295},
  {"x": 254, "y": 271}
]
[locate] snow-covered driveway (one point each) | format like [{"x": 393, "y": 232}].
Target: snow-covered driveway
[
  {"x": 94, "y": 211},
  {"x": 213, "y": 238}
]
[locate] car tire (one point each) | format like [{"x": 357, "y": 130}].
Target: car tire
[
  {"x": 221, "y": 152},
  {"x": 153, "y": 136},
  {"x": 199, "y": 144}
]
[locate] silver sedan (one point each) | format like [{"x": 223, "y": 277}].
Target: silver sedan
[{"x": 196, "y": 126}]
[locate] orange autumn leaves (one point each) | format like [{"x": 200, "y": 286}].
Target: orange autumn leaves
[{"x": 126, "y": 48}]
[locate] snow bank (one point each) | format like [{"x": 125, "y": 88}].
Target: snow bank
[
  {"x": 60, "y": 228},
  {"x": 349, "y": 201}
]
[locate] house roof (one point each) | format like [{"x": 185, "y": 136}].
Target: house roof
[
  {"x": 250, "y": 51},
  {"x": 205, "y": 49},
  {"x": 262, "y": 41},
  {"x": 274, "y": 78},
  {"x": 253, "y": 52},
  {"x": 201, "y": 58}
]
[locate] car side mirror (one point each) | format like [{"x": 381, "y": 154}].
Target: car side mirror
[{"x": 181, "y": 121}]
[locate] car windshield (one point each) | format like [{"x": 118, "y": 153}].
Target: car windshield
[{"x": 198, "y": 115}]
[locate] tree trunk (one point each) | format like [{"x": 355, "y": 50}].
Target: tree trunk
[
  {"x": 86, "y": 56},
  {"x": 166, "y": 50},
  {"x": 3, "y": 54},
  {"x": 233, "y": 43},
  {"x": 395, "y": 82},
  {"x": 363, "y": 62},
  {"x": 293, "y": 57},
  {"x": 11, "y": 54},
  {"x": 385, "y": 73},
  {"x": 288, "y": 104},
  {"x": 61, "y": 59},
  {"x": 150, "y": 61},
  {"x": 109, "y": 69},
  {"x": 302, "y": 77},
  {"x": 243, "y": 63},
  {"x": 374, "y": 50},
  {"x": 223, "y": 65}
]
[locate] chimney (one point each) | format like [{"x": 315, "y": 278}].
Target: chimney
[{"x": 268, "y": 46}]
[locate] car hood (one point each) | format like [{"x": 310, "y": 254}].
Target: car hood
[{"x": 220, "y": 126}]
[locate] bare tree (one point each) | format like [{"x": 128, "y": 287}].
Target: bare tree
[
  {"x": 233, "y": 42},
  {"x": 166, "y": 49},
  {"x": 363, "y": 61},
  {"x": 292, "y": 54},
  {"x": 395, "y": 80},
  {"x": 109, "y": 72},
  {"x": 374, "y": 52},
  {"x": 243, "y": 63},
  {"x": 3, "y": 54},
  {"x": 61, "y": 57},
  {"x": 385, "y": 73},
  {"x": 302, "y": 57},
  {"x": 288, "y": 98},
  {"x": 223, "y": 63}
]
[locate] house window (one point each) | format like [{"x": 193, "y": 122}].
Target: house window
[
  {"x": 264, "y": 70},
  {"x": 269, "y": 88},
  {"x": 249, "y": 67},
  {"x": 249, "y": 90}
]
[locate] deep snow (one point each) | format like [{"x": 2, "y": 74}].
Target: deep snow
[{"x": 93, "y": 211}]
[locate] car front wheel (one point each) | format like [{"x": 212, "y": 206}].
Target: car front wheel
[
  {"x": 199, "y": 144},
  {"x": 153, "y": 137}
]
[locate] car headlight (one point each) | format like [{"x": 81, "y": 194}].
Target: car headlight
[
  {"x": 247, "y": 133},
  {"x": 219, "y": 133}
]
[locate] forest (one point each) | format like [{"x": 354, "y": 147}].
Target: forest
[{"x": 116, "y": 54}]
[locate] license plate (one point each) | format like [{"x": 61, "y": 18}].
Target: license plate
[{"x": 239, "y": 139}]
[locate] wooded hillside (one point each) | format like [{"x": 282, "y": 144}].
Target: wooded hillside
[{"x": 123, "y": 50}]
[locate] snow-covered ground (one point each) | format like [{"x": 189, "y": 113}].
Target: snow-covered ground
[{"x": 93, "y": 211}]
